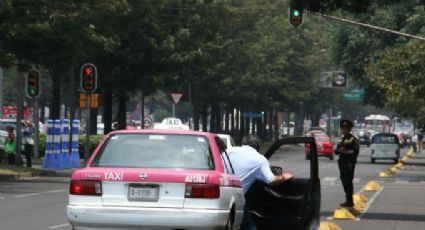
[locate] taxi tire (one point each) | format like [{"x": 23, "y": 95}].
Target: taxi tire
[
  {"x": 372, "y": 160},
  {"x": 331, "y": 157},
  {"x": 230, "y": 221}
]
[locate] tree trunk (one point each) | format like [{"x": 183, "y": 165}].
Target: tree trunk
[
  {"x": 237, "y": 121},
  {"x": 122, "y": 116},
  {"x": 107, "y": 111},
  {"x": 204, "y": 116},
  {"x": 247, "y": 125},
  {"x": 20, "y": 115},
  {"x": 264, "y": 128},
  {"x": 195, "y": 107},
  {"x": 72, "y": 94},
  {"x": 242, "y": 125},
  {"x": 213, "y": 118},
  {"x": 55, "y": 103},
  {"x": 232, "y": 121},
  {"x": 299, "y": 120},
  {"x": 276, "y": 126},
  {"x": 218, "y": 119},
  {"x": 227, "y": 121}
]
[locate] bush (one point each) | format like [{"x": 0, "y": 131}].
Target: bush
[{"x": 94, "y": 141}]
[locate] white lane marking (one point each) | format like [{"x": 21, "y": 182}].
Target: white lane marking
[
  {"x": 402, "y": 182},
  {"x": 27, "y": 195},
  {"x": 59, "y": 226},
  {"x": 299, "y": 172},
  {"x": 371, "y": 200},
  {"x": 364, "y": 150},
  {"x": 330, "y": 179},
  {"x": 55, "y": 191},
  {"x": 334, "y": 179}
]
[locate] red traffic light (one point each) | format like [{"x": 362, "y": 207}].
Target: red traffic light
[
  {"x": 33, "y": 84},
  {"x": 88, "y": 70},
  {"x": 88, "y": 76}
]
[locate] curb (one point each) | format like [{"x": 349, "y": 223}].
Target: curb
[{"x": 41, "y": 173}]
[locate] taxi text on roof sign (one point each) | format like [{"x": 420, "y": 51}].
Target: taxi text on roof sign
[{"x": 171, "y": 123}]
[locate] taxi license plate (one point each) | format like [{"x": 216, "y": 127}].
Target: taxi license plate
[{"x": 143, "y": 193}]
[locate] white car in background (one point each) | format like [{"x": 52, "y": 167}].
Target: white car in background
[
  {"x": 385, "y": 146},
  {"x": 227, "y": 139}
]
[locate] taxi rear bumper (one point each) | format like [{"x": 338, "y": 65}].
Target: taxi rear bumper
[{"x": 99, "y": 217}]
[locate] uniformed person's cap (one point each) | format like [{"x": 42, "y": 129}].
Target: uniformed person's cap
[{"x": 346, "y": 124}]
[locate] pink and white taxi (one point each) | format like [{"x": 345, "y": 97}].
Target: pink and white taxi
[{"x": 156, "y": 179}]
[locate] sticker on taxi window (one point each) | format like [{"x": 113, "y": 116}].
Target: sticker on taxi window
[
  {"x": 114, "y": 137},
  {"x": 114, "y": 176},
  {"x": 195, "y": 179},
  {"x": 157, "y": 137},
  {"x": 200, "y": 139}
]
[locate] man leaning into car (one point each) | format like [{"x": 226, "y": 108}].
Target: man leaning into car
[{"x": 249, "y": 165}]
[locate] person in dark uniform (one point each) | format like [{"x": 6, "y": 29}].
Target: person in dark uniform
[{"x": 348, "y": 150}]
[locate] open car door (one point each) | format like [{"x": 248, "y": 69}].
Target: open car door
[{"x": 291, "y": 205}]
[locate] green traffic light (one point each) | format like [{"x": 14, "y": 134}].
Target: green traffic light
[{"x": 296, "y": 13}]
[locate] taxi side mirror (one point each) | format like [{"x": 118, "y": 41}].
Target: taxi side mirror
[{"x": 276, "y": 170}]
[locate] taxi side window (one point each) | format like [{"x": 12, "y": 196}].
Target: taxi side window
[{"x": 228, "y": 168}]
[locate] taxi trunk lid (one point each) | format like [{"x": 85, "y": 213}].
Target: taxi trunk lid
[{"x": 161, "y": 188}]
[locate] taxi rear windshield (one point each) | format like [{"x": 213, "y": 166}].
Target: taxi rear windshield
[{"x": 155, "y": 151}]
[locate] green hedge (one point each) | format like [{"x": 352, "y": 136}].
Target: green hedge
[{"x": 94, "y": 141}]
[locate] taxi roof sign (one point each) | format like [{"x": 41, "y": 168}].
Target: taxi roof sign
[{"x": 171, "y": 123}]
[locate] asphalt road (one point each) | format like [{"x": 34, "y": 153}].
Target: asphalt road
[
  {"x": 400, "y": 205},
  {"x": 34, "y": 204},
  {"x": 40, "y": 203}
]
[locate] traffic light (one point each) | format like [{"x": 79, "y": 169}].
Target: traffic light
[
  {"x": 296, "y": 10},
  {"x": 33, "y": 84},
  {"x": 88, "y": 75}
]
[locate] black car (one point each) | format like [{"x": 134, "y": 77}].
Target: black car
[{"x": 364, "y": 140}]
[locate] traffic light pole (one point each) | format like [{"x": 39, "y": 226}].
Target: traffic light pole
[
  {"x": 36, "y": 130},
  {"x": 87, "y": 142}
]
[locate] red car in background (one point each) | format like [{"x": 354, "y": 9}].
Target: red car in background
[{"x": 324, "y": 147}]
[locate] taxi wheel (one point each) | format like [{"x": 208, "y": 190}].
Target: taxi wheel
[
  {"x": 372, "y": 160},
  {"x": 331, "y": 157},
  {"x": 229, "y": 225}
]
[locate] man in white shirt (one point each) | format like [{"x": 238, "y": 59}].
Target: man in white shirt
[{"x": 249, "y": 165}]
